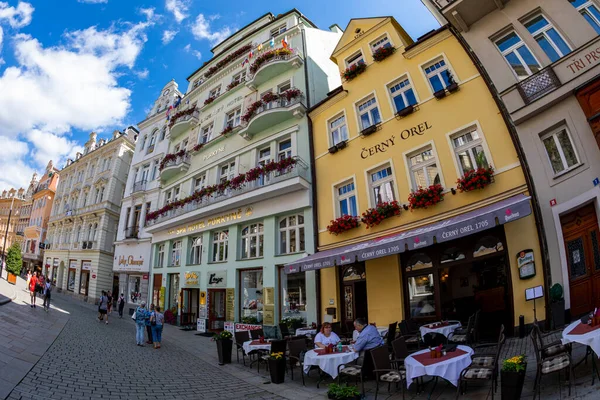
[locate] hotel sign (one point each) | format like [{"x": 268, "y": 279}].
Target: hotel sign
[
  {"x": 384, "y": 146},
  {"x": 221, "y": 219}
]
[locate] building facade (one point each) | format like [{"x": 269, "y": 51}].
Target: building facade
[
  {"x": 133, "y": 245},
  {"x": 543, "y": 58},
  {"x": 236, "y": 198},
  {"x": 11, "y": 226},
  {"x": 85, "y": 215},
  {"x": 409, "y": 122}
]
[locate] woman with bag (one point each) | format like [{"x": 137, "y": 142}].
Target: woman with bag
[
  {"x": 103, "y": 306},
  {"x": 157, "y": 320},
  {"x": 140, "y": 316},
  {"x": 148, "y": 326}
]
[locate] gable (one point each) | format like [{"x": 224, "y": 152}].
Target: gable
[{"x": 350, "y": 33}]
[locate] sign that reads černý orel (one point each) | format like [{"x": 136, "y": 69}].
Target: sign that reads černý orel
[{"x": 404, "y": 135}]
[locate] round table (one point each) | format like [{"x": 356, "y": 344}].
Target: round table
[
  {"x": 306, "y": 332},
  {"x": 449, "y": 369},
  {"x": 249, "y": 346},
  {"x": 445, "y": 330},
  {"x": 328, "y": 363},
  {"x": 589, "y": 336}
]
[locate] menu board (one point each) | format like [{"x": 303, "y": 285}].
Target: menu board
[
  {"x": 268, "y": 315},
  {"x": 268, "y": 297},
  {"x": 230, "y": 306}
]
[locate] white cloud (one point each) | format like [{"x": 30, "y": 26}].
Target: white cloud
[
  {"x": 148, "y": 12},
  {"x": 48, "y": 146},
  {"x": 16, "y": 17},
  {"x": 168, "y": 36},
  {"x": 143, "y": 74},
  {"x": 178, "y": 8},
  {"x": 187, "y": 48},
  {"x": 16, "y": 173},
  {"x": 202, "y": 30},
  {"x": 93, "y": 1},
  {"x": 197, "y": 54}
]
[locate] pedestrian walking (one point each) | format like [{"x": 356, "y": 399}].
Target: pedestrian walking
[
  {"x": 141, "y": 315},
  {"x": 28, "y": 277},
  {"x": 121, "y": 305},
  {"x": 148, "y": 326},
  {"x": 47, "y": 294},
  {"x": 103, "y": 307},
  {"x": 156, "y": 321},
  {"x": 32, "y": 288},
  {"x": 110, "y": 302}
]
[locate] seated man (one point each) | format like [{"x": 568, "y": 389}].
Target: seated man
[{"x": 368, "y": 337}]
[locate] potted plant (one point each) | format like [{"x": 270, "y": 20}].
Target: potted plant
[
  {"x": 425, "y": 197},
  {"x": 276, "y": 363},
  {"x": 354, "y": 70},
  {"x": 224, "y": 345},
  {"x": 512, "y": 377},
  {"x": 14, "y": 263},
  {"x": 452, "y": 85},
  {"x": 374, "y": 216},
  {"x": 250, "y": 320},
  {"x": 342, "y": 392},
  {"x": 557, "y": 305},
  {"x": 383, "y": 52},
  {"x": 293, "y": 322},
  {"x": 343, "y": 224},
  {"x": 406, "y": 111},
  {"x": 475, "y": 179}
]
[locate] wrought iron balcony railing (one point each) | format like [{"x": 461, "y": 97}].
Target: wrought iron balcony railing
[{"x": 538, "y": 84}]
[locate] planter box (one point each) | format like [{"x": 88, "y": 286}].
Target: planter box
[
  {"x": 440, "y": 94},
  {"x": 277, "y": 370},
  {"x": 367, "y": 131},
  {"x": 341, "y": 144},
  {"x": 12, "y": 278},
  {"x": 224, "y": 351},
  {"x": 406, "y": 111},
  {"x": 452, "y": 88},
  {"x": 511, "y": 385},
  {"x": 357, "y": 397},
  {"x": 333, "y": 149}
]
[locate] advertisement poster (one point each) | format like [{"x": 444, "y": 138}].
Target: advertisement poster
[
  {"x": 230, "y": 327},
  {"x": 230, "y": 304},
  {"x": 201, "y": 325},
  {"x": 161, "y": 299}
]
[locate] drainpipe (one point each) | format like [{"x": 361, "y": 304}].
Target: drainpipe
[{"x": 537, "y": 213}]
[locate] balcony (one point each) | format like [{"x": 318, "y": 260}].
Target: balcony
[
  {"x": 132, "y": 232},
  {"x": 270, "y": 185},
  {"x": 272, "y": 113},
  {"x": 539, "y": 84},
  {"x": 464, "y": 13},
  {"x": 173, "y": 167},
  {"x": 183, "y": 120},
  {"x": 273, "y": 67},
  {"x": 139, "y": 186},
  {"x": 41, "y": 187}
]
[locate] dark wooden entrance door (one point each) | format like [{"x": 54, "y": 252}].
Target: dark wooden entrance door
[
  {"x": 581, "y": 235},
  {"x": 217, "y": 310},
  {"x": 353, "y": 293}
]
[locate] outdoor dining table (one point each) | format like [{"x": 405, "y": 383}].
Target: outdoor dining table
[
  {"x": 328, "y": 363},
  {"x": 447, "y": 367},
  {"x": 578, "y": 332},
  {"x": 306, "y": 331},
  {"x": 253, "y": 345},
  {"x": 444, "y": 328}
]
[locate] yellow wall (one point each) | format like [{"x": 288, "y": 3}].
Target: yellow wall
[
  {"x": 329, "y": 290},
  {"x": 384, "y": 290}
]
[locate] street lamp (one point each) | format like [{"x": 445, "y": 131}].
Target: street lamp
[{"x": 5, "y": 235}]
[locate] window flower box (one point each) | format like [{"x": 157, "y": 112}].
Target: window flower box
[
  {"x": 170, "y": 157},
  {"x": 341, "y": 145},
  {"x": 263, "y": 58},
  {"x": 475, "y": 179},
  {"x": 383, "y": 52},
  {"x": 369, "y": 130},
  {"x": 209, "y": 100},
  {"x": 232, "y": 85},
  {"x": 333, "y": 149},
  {"x": 251, "y": 110},
  {"x": 226, "y": 61},
  {"x": 353, "y": 71},
  {"x": 406, "y": 111},
  {"x": 440, "y": 94},
  {"x": 269, "y": 97},
  {"x": 343, "y": 224},
  {"x": 453, "y": 87},
  {"x": 426, "y": 197},
  {"x": 374, "y": 216}
]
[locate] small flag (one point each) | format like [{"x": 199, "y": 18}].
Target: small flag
[
  {"x": 251, "y": 54},
  {"x": 284, "y": 42},
  {"x": 259, "y": 48},
  {"x": 245, "y": 61},
  {"x": 272, "y": 42},
  {"x": 177, "y": 101},
  {"x": 169, "y": 112}
]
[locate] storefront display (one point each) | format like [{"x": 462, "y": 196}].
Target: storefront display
[
  {"x": 71, "y": 276},
  {"x": 251, "y": 295},
  {"x": 174, "y": 291},
  {"x": 293, "y": 295},
  {"x": 134, "y": 290},
  {"x": 84, "y": 279}
]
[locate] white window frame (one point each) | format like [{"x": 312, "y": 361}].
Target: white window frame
[
  {"x": 206, "y": 133},
  {"x": 215, "y": 92},
  {"x": 203, "y": 177},
  {"x": 355, "y": 58},
  {"x": 563, "y": 159},
  {"x": 469, "y": 147},
  {"x": 358, "y": 113},
  {"x": 331, "y": 130},
  {"x": 259, "y": 236},
  {"x": 285, "y": 153},
  {"x": 381, "y": 41},
  {"x": 155, "y": 174},
  {"x": 410, "y": 169},
  {"x": 372, "y": 185},
  {"x": 231, "y": 168},
  {"x": 346, "y": 196},
  {"x": 513, "y": 49},
  {"x": 220, "y": 241},
  {"x": 287, "y": 229},
  {"x": 240, "y": 77},
  {"x": 233, "y": 117},
  {"x": 584, "y": 9},
  {"x": 395, "y": 82},
  {"x": 543, "y": 31},
  {"x": 196, "y": 250},
  {"x": 437, "y": 71},
  {"x": 176, "y": 253},
  {"x": 278, "y": 30},
  {"x": 282, "y": 85},
  {"x": 472, "y": 126},
  {"x": 161, "y": 255}
]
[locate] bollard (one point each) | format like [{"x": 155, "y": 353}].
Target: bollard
[{"x": 521, "y": 326}]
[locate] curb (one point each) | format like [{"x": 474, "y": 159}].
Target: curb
[{"x": 5, "y": 300}]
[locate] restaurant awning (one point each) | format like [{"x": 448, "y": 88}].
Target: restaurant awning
[{"x": 484, "y": 218}]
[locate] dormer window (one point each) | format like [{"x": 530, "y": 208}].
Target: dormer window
[
  {"x": 278, "y": 31},
  {"x": 380, "y": 43},
  {"x": 355, "y": 59}
]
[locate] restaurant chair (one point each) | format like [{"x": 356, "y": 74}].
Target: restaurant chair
[
  {"x": 391, "y": 335},
  {"x": 255, "y": 334},
  {"x": 277, "y": 346},
  {"x": 357, "y": 371},
  {"x": 553, "y": 348},
  {"x": 382, "y": 367},
  {"x": 463, "y": 335},
  {"x": 297, "y": 350},
  {"x": 547, "y": 364},
  {"x": 399, "y": 354},
  {"x": 240, "y": 338},
  {"x": 483, "y": 369},
  {"x": 336, "y": 327},
  {"x": 348, "y": 329},
  {"x": 412, "y": 340},
  {"x": 434, "y": 339},
  {"x": 486, "y": 354},
  {"x": 285, "y": 331}
]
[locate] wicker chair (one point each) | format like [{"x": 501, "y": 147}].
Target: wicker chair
[
  {"x": 463, "y": 335},
  {"x": 285, "y": 331},
  {"x": 411, "y": 339},
  {"x": 391, "y": 335},
  {"x": 383, "y": 370},
  {"x": 297, "y": 350},
  {"x": 547, "y": 364},
  {"x": 255, "y": 334},
  {"x": 356, "y": 371},
  {"x": 240, "y": 338}
]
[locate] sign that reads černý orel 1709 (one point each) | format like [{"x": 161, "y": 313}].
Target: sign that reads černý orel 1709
[{"x": 382, "y": 147}]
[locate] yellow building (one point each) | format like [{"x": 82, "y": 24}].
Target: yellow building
[{"x": 421, "y": 116}]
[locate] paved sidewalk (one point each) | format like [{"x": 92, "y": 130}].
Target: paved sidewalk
[{"x": 8, "y": 291}]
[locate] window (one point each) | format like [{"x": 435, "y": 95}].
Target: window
[
  {"x": 338, "y": 129},
  {"x": 264, "y": 157},
  {"x": 176, "y": 193},
  {"x": 368, "y": 113},
  {"x": 251, "y": 294},
  {"x": 278, "y": 31},
  {"x": 381, "y": 182},
  {"x": 144, "y": 142},
  {"x": 215, "y": 92},
  {"x": 145, "y": 173},
  {"x": 176, "y": 254},
  {"x": 220, "y": 240},
  {"x": 423, "y": 167},
  {"x": 469, "y": 151},
  {"x": 238, "y": 78},
  {"x": 560, "y": 150},
  {"x": 206, "y": 133},
  {"x": 293, "y": 294},
  {"x": 196, "y": 83},
  {"x": 284, "y": 149},
  {"x": 252, "y": 241},
  {"x": 517, "y": 55},
  {"x": 283, "y": 87},
  {"x": 148, "y": 205},
  {"x": 199, "y": 182},
  {"x": 161, "y": 256},
  {"x": 226, "y": 171},
  {"x": 589, "y": 11},
  {"x": 380, "y": 43},
  {"x": 402, "y": 94},
  {"x": 438, "y": 75},
  {"x": 355, "y": 59},
  {"x": 346, "y": 199},
  {"x": 163, "y": 132},
  {"x": 547, "y": 37},
  {"x": 291, "y": 234},
  {"x": 196, "y": 253},
  {"x": 152, "y": 142},
  {"x": 155, "y": 170},
  {"x": 233, "y": 118}
]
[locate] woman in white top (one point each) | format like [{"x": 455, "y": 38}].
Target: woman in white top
[{"x": 326, "y": 336}]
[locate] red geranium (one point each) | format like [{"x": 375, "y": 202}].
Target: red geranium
[
  {"x": 425, "y": 197},
  {"x": 374, "y": 216},
  {"x": 342, "y": 224},
  {"x": 475, "y": 179}
]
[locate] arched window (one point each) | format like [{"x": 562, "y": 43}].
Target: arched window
[
  {"x": 419, "y": 261},
  {"x": 90, "y": 233},
  {"x": 220, "y": 246},
  {"x": 144, "y": 142},
  {"x": 78, "y": 234},
  {"x": 95, "y": 231},
  {"x": 196, "y": 253},
  {"x": 252, "y": 241},
  {"x": 354, "y": 272},
  {"x": 291, "y": 234},
  {"x": 487, "y": 245},
  {"x": 163, "y": 132},
  {"x": 452, "y": 254}
]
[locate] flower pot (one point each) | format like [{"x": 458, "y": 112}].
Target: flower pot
[
  {"x": 511, "y": 384},
  {"x": 224, "y": 351},
  {"x": 452, "y": 87},
  {"x": 406, "y": 111},
  {"x": 12, "y": 278},
  {"x": 341, "y": 144},
  {"x": 277, "y": 370},
  {"x": 333, "y": 149},
  {"x": 367, "y": 131},
  {"x": 440, "y": 94},
  {"x": 331, "y": 396}
]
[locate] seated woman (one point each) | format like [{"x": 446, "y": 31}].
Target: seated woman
[{"x": 326, "y": 336}]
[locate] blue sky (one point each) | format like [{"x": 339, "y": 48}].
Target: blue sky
[{"x": 68, "y": 67}]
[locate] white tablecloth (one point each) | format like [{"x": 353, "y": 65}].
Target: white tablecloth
[
  {"x": 449, "y": 369},
  {"x": 305, "y": 331},
  {"x": 383, "y": 330},
  {"x": 444, "y": 330},
  {"x": 591, "y": 339},
  {"x": 248, "y": 347},
  {"x": 328, "y": 362}
]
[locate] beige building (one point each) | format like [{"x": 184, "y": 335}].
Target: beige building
[
  {"x": 543, "y": 58},
  {"x": 85, "y": 215},
  {"x": 11, "y": 229}
]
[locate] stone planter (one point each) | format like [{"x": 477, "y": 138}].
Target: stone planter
[
  {"x": 12, "y": 278},
  {"x": 511, "y": 384},
  {"x": 277, "y": 370},
  {"x": 224, "y": 351}
]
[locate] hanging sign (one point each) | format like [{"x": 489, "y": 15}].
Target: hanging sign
[
  {"x": 217, "y": 279},
  {"x": 86, "y": 265},
  {"x": 191, "y": 279},
  {"x": 526, "y": 264}
]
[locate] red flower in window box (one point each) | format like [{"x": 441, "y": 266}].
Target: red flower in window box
[
  {"x": 343, "y": 224},
  {"x": 170, "y": 157},
  {"x": 383, "y": 52},
  {"x": 227, "y": 129},
  {"x": 232, "y": 85},
  {"x": 425, "y": 197},
  {"x": 475, "y": 179},
  {"x": 251, "y": 110},
  {"x": 237, "y": 182},
  {"x": 263, "y": 58},
  {"x": 291, "y": 94},
  {"x": 374, "y": 216},
  {"x": 210, "y": 100},
  {"x": 353, "y": 71},
  {"x": 269, "y": 97},
  {"x": 198, "y": 147},
  {"x": 226, "y": 61}
]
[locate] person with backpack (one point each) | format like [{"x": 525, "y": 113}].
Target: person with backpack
[
  {"x": 157, "y": 319},
  {"x": 32, "y": 288},
  {"x": 103, "y": 306},
  {"x": 148, "y": 325},
  {"x": 47, "y": 294},
  {"x": 140, "y": 316},
  {"x": 121, "y": 302}
]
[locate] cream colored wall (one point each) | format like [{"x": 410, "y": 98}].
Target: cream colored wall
[{"x": 384, "y": 290}]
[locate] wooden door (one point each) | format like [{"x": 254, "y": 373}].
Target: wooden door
[
  {"x": 217, "y": 310},
  {"x": 353, "y": 295}
]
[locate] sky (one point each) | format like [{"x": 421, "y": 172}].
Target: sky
[{"x": 70, "y": 67}]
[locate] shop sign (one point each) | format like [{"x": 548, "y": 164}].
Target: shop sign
[
  {"x": 201, "y": 325},
  {"x": 247, "y": 327},
  {"x": 469, "y": 227},
  {"x": 191, "y": 279},
  {"x": 384, "y": 146},
  {"x": 73, "y": 264},
  {"x": 213, "y": 153},
  {"x": 232, "y": 216},
  {"x": 86, "y": 265},
  {"x": 229, "y": 327},
  {"x": 526, "y": 264},
  {"x": 203, "y": 311},
  {"x": 217, "y": 279},
  {"x": 130, "y": 261},
  {"x": 55, "y": 262},
  {"x": 161, "y": 298},
  {"x": 584, "y": 61}
]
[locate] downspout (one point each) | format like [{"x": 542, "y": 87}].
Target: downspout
[
  {"x": 313, "y": 176},
  {"x": 537, "y": 213}
]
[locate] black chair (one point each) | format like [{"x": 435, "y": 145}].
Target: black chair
[
  {"x": 356, "y": 370},
  {"x": 337, "y": 328},
  {"x": 548, "y": 364},
  {"x": 433, "y": 339},
  {"x": 240, "y": 338},
  {"x": 383, "y": 370},
  {"x": 297, "y": 350},
  {"x": 411, "y": 339},
  {"x": 391, "y": 335},
  {"x": 255, "y": 334},
  {"x": 277, "y": 346},
  {"x": 463, "y": 335},
  {"x": 399, "y": 354},
  {"x": 285, "y": 331}
]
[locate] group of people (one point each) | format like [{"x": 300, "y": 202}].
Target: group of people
[
  {"x": 105, "y": 305},
  {"x": 149, "y": 320},
  {"x": 368, "y": 336},
  {"x": 39, "y": 284}
]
